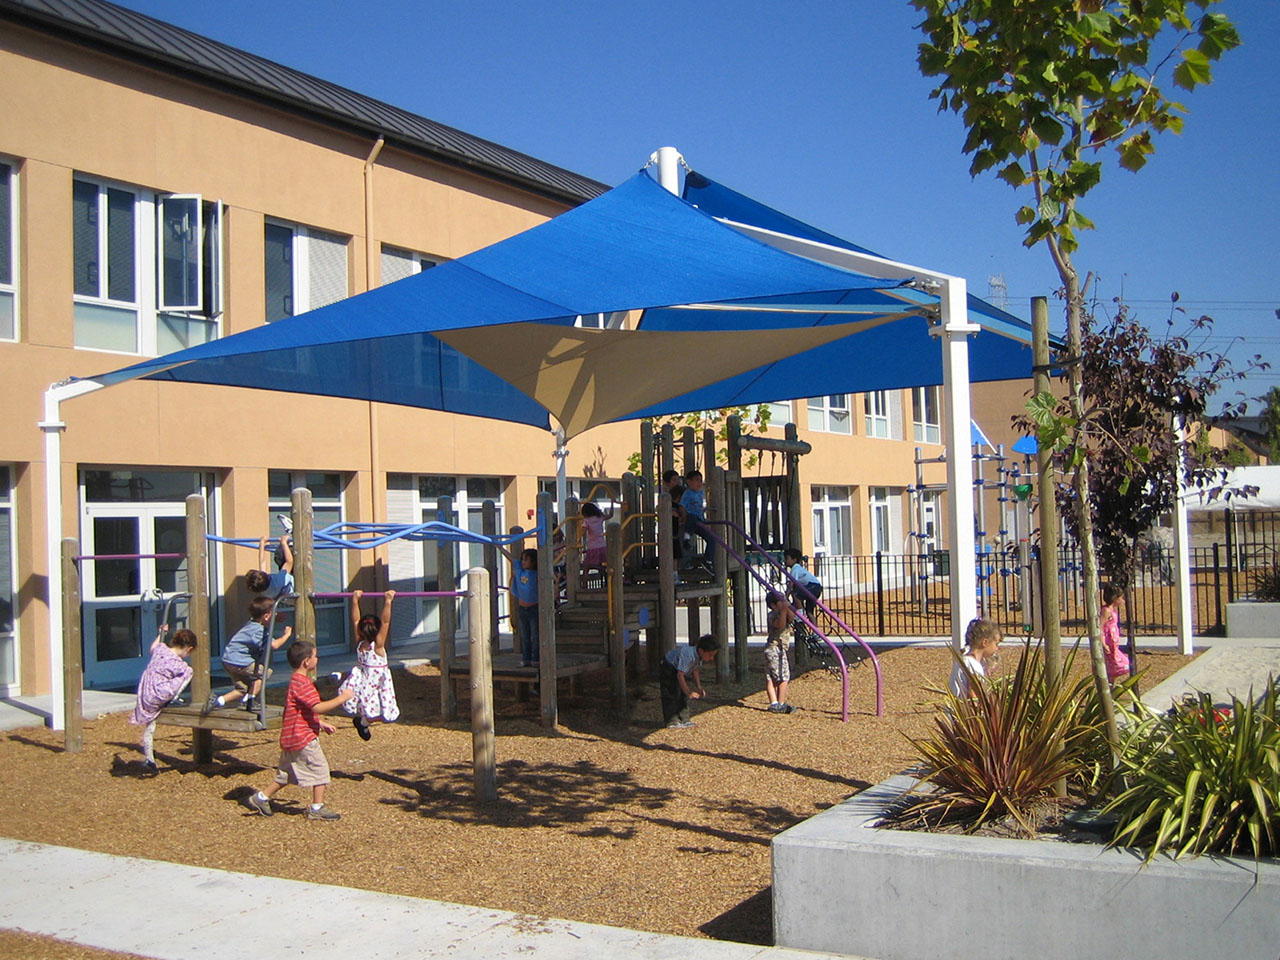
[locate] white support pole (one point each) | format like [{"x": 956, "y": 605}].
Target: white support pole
[
  {"x": 52, "y": 426},
  {"x": 1182, "y": 553},
  {"x": 954, "y": 332},
  {"x": 562, "y": 480},
  {"x": 669, "y": 169}
]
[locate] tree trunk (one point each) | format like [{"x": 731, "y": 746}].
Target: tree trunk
[{"x": 1084, "y": 515}]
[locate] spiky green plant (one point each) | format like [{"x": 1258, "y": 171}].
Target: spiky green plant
[
  {"x": 1201, "y": 782},
  {"x": 1001, "y": 749}
]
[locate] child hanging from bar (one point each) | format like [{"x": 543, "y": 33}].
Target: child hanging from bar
[{"x": 370, "y": 681}]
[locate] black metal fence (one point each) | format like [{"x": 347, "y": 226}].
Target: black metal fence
[{"x": 909, "y": 595}]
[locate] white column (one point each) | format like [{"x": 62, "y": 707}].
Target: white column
[
  {"x": 52, "y": 426},
  {"x": 954, "y": 332},
  {"x": 669, "y": 169},
  {"x": 1182, "y": 552},
  {"x": 562, "y": 482}
]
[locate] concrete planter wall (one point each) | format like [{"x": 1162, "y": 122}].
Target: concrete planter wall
[
  {"x": 1250, "y": 619},
  {"x": 842, "y": 886}
]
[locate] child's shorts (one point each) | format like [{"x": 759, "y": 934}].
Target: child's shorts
[
  {"x": 776, "y": 663},
  {"x": 306, "y": 767},
  {"x": 244, "y": 677}
]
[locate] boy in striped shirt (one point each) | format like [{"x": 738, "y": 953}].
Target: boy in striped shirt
[{"x": 302, "y": 760}]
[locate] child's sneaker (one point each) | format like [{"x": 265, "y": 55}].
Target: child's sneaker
[
  {"x": 211, "y": 703},
  {"x": 261, "y": 804},
  {"x": 788, "y": 708},
  {"x": 777, "y": 707},
  {"x": 149, "y": 768},
  {"x": 362, "y": 727},
  {"x": 680, "y": 724},
  {"x": 286, "y": 521},
  {"x": 324, "y": 813}
]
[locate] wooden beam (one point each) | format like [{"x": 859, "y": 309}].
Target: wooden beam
[{"x": 72, "y": 651}]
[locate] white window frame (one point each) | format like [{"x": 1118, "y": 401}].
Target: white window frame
[
  {"x": 926, "y": 430},
  {"x": 825, "y": 414},
  {"x": 418, "y": 262},
  {"x": 302, "y": 296},
  {"x": 13, "y": 635},
  {"x": 600, "y": 321},
  {"x": 876, "y": 407},
  {"x": 148, "y": 206},
  {"x": 828, "y": 502},
  {"x": 10, "y": 289}
]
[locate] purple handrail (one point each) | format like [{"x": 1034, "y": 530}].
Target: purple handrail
[
  {"x": 131, "y": 556},
  {"x": 399, "y": 593},
  {"x": 844, "y": 669}
]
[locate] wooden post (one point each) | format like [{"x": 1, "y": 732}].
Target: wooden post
[
  {"x": 304, "y": 565},
  {"x": 572, "y": 527},
  {"x": 733, "y": 446},
  {"x": 719, "y": 566},
  {"x": 72, "y": 652},
  {"x": 739, "y": 577},
  {"x": 666, "y": 585},
  {"x": 489, "y": 526},
  {"x": 198, "y": 621},
  {"x": 667, "y": 452},
  {"x": 448, "y": 613},
  {"x": 618, "y": 616},
  {"x": 794, "y": 535},
  {"x": 483, "y": 759},
  {"x": 650, "y": 479},
  {"x": 688, "y": 449},
  {"x": 630, "y": 507},
  {"x": 546, "y": 614}
]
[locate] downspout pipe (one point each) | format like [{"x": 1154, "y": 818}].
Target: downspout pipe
[
  {"x": 52, "y": 426},
  {"x": 376, "y": 489}
]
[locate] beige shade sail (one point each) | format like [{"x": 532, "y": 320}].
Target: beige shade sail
[{"x": 586, "y": 377}]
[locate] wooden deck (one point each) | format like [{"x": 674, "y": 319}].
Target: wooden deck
[
  {"x": 232, "y": 719},
  {"x": 506, "y": 666}
]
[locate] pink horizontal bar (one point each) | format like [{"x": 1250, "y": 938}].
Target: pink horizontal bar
[
  {"x": 399, "y": 593},
  {"x": 131, "y": 556}
]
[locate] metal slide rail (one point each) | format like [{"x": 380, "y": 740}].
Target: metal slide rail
[{"x": 804, "y": 618}]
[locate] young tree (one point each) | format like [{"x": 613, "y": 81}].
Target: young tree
[
  {"x": 1046, "y": 89},
  {"x": 1271, "y": 421}
]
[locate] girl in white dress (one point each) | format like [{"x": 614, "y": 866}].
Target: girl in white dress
[
  {"x": 370, "y": 678},
  {"x": 981, "y": 640}
]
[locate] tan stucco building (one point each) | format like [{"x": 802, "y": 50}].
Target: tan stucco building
[{"x": 160, "y": 189}]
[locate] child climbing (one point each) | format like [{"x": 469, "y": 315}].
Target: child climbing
[
  {"x": 806, "y": 588},
  {"x": 1112, "y": 643},
  {"x": 373, "y": 692},
  {"x": 593, "y": 555},
  {"x": 272, "y": 584},
  {"x": 242, "y": 655},
  {"x": 777, "y": 665},
  {"x": 981, "y": 639},
  {"x": 166, "y": 675},
  {"x": 524, "y": 587}
]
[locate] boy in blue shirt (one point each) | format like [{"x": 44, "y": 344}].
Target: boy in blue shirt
[
  {"x": 680, "y": 666},
  {"x": 694, "y": 503},
  {"x": 524, "y": 587},
  {"x": 242, "y": 656}
]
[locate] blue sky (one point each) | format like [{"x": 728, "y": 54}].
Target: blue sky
[{"x": 816, "y": 107}]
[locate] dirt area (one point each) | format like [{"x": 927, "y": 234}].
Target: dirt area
[{"x": 609, "y": 821}]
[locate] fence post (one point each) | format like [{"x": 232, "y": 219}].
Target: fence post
[
  {"x": 1231, "y": 559},
  {"x": 1217, "y": 585},
  {"x": 879, "y": 593}
]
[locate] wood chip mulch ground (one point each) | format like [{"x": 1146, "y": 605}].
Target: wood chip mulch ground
[{"x": 609, "y": 821}]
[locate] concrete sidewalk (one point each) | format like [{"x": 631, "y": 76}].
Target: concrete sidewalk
[{"x": 174, "y": 912}]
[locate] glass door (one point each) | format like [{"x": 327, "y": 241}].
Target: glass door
[{"x": 123, "y": 599}]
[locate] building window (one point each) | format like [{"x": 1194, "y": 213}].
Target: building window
[
  {"x": 876, "y": 409},
  {"x": 304, "y": 269},
  {"x": 8, "y": 631},
  {"x": 329, "y": 564},
  {"x": 830, "y": 414},
  {"x": 925, "y": 420},
  {"x": 147, "y": 268},
  {"x": 398, "y": 264},
  {"x": 832, "y": 521},
  {"x": 8, "y": 253},
  {"x": 605, "y": 494},
  {"x": 600, "y": 321},
  {"x": 779, "y": 414},
  {"x": 885, "y": 516}
]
